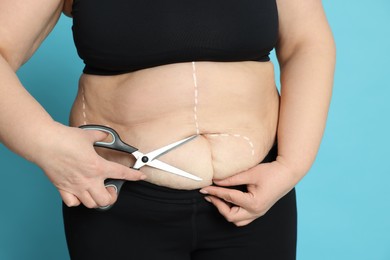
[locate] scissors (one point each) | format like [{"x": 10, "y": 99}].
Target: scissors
[{"x": 149, "y": 159}]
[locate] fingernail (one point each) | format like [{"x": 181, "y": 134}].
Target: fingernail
[
  {"x": 203, "y": 191},
  {"x": 208, "y": 199}
]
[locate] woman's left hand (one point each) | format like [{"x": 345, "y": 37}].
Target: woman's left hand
[{"x": 266, "y": 184}]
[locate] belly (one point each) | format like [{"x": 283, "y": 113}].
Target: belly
[{"x": 233, "y": 107}]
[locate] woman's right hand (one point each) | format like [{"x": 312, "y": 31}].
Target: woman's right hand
[{"x": 73, "y": 166}]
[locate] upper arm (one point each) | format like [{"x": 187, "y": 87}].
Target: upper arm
[
  {"x": 302, "y": 23},
  {"x": 24, "y": 24}
]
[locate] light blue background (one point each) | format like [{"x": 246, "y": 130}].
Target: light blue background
[{"x": 344, "y": 202}]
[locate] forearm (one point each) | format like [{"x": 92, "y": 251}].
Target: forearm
[
  {"x": 24, "y": 124},
  {"x": 306, "y": 87}
]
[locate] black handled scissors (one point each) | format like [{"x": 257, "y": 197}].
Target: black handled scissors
[{"x": 149, "y": 159}]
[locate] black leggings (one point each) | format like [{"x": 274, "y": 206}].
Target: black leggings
[{"x": 151, "y": 222}]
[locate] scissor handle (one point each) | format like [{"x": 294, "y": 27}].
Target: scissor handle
[
  {"x": 116, "y": 143},
  {"x": 117, "y": 184}
]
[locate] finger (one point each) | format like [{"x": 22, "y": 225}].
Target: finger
[
  {"x": 113, "y": 191},
  {"x": 233, "y": 196},
  {"x": 233, "y": 214},
  {"x": 121, "y": 172},
  {"x": 244, "y": 222},
  {"x": 96, "y": 135},
  {"x": 243, "y": 178},
  {"x": 221, "y": 205},
  {"x": 102, "y": 196},
  {"x": 87, "y": 200},
  {"x": 69, "y": 199}
]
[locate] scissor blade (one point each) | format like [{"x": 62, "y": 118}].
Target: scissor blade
[
  {"x": 171, "y": 169},
  {"x": 163, "y": 150}
]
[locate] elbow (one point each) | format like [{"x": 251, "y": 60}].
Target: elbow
[{"x": 13, "y": 60}]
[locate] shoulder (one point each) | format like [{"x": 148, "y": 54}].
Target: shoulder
[{"x": 67, "y": 9}]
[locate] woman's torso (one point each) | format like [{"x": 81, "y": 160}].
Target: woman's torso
[{"x": 233, "y": 106}]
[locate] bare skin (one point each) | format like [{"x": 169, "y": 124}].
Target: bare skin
[
  {"x": 232, "y": 106},
  {"x": 306, "y": 55}
]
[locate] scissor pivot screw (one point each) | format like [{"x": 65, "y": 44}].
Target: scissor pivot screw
[{"x": 145, "y": 159}]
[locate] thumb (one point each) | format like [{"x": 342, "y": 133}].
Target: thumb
[
  {"x": 96, "y": 135},
  {"x": 243, "y": 178},
  {"x": 121, "y": 172}
]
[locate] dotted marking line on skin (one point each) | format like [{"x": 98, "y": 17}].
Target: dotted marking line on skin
[
  {"x": 247, "y": 139},
  {"x": 196, "y": 97},
  {"x": 196, "y": 94}
]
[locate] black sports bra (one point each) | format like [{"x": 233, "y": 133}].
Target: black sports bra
[{"x": 120, "y": 36}]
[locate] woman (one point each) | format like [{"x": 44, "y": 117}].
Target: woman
[{"x": 159, "y": 72}]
